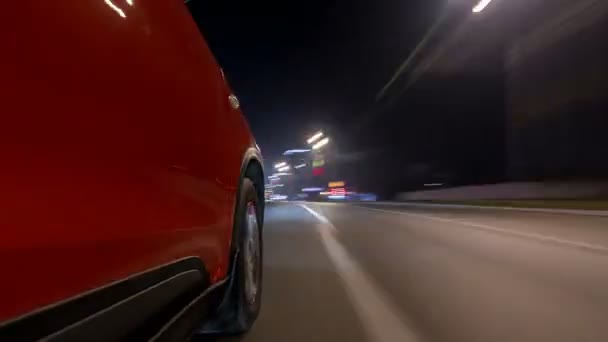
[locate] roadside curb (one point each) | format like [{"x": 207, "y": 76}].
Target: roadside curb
[{"x": 603, "y": 213}]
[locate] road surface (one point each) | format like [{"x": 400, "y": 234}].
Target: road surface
[{"x": 353, "y": 272}]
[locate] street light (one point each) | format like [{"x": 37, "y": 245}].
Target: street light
[
  {"x": 320, "y": 144},
  {"x": 279, "y": 165},
  {"x": 299, "y": 166},
  {"x": 290, "y": 152},
  {"x": 315, "y": 137},
  {"x": 481, "y": 6},
  {"x": 284, "y": 168}
]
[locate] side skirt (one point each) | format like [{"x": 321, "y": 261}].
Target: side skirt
[{"x": 160, "y": 304}]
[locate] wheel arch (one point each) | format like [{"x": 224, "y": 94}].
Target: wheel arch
[{"x": 252, "y": 167}]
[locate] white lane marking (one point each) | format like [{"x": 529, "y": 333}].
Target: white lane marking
[
  {"x": 380, "y": 320},
  {"x": 319, "y": 217},
  {"x": 534, "y": 236}
]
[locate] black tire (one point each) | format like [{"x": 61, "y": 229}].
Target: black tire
[{"x": 246, "y": 307}]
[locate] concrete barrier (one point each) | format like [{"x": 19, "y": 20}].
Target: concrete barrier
[
  {"x": 511, "y": 191},
  {"x": 603, "y": 213}
]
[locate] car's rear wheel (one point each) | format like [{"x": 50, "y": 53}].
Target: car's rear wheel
[
  {"x": 251, "y": 254},
  {"x": 241, "y": 302},
  {"x": 247, "y": 285}
]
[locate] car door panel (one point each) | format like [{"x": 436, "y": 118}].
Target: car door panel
[{"x": 115, "y": 147}]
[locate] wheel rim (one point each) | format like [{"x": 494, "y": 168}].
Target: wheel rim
[{"x": 251, "y": 254}]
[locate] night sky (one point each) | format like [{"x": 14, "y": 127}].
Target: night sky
[
  {"x": 301, "y": 66},
  {"x": 298, "y": 67}
]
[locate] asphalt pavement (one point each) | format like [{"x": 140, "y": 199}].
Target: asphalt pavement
[{"x": 375, "y": 272}]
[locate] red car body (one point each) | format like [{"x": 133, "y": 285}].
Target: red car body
[{"x": 120, "y": 148}]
